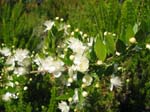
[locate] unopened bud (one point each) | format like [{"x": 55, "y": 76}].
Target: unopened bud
[
  {"x": 97, "y": 85},
  {"x": 85, "y": 35},
  {"x": 57, "y": 18},
  {"x": 70, "y": 80},
  {"x": 70, "y": 99},
  {"x": 83, "y": 85},
  {"x": 105, "y": 33},
  {"x": 76, "y": 30},
  {"x": 71, "y": 57},
  {"x": 114, "y": 34},
  {"x": 68, "y": 26},
  {"x": 148, "y": 46},
  {"x": 84, "y": 94},
  {"x": 117, "y": 53},
  {"x": 99, "y": 62},
  {"x": 132, "y": 40},
  {"x": 61, "y": 19},
  {"x": 25, "y": 88},
  {"x": 72, "y": 33}
]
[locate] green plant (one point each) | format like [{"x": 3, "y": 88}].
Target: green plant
[{"x": 64, "y": 69}]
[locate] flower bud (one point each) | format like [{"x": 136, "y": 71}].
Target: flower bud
[
  {"x": 114, "y": 34},
  {"x": 148, "y": 46},
  {"x": 105, "y": 33},
  {"x": 70, "y": 99},
  {"x": 77, "y": 30},
  {"x": 61, "y": 19},
  {"x": 85, "y": 35},
  {"x": 81, "y": 32},
  {"x": 25, "y": 88},
  {"x": 57, "y": 18},
  {"x": 132, "y": 40},
  {"x": 71, "y": 57},
  {"x": 70, "y": 80},
  {"x": 83, "y": 85},
  {"x": 72, "y": 33},
  {"x": 84, "y": 94},
  {"x": 117, "y": 53},
  {"x": 68, "y": 26},
  {"x": 99, "y": 62},
  {"x": 97, "y": 85}
]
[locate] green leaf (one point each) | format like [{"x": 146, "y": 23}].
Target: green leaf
[
  {"x": 120, "y": 46},
  {"x": 129, "y": 33},
  {"x": 100, "y": 49},
  {"x": 110, "y": 44},
  {"x": 65, "y": 96},
  {"x": 135, "y": 28}
]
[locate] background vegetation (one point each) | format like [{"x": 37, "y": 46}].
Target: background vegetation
[{"x": 21, "y": 26}]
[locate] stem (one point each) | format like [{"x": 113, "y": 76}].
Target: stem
[{"x": 52, "y": 100}]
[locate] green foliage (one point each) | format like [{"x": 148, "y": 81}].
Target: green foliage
[
  {"x": 100, "y": 49},
  {"x": 111, "y": 24},
  {"x": 17, "y": 25}
]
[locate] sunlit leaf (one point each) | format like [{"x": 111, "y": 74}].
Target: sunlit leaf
[{"x": 100, "y": 49}]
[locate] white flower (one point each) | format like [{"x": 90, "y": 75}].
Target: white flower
[
  {"x": 115, "y": 82},
  {"x": 72, "y": 72},
  {"x": 72, "y": 75},
  {"x": 11, "y": 63},
  {"x": 91, "y": 40},
  {"x": 81, "y": 63},
  {"x": 20, "y": 71},
  {"x": 26, "y": 62},
  {"x": 87, "y": 80},
  {"x": 148, "y": 46},
  {"x": 63, "y": 106},
  {"x": 59, "y": 68},
  {"x": 7, "y": 96},
  {"x": 20, "y": 55},
  {"x": 5, "y": 51},
  {"x": 45, "y": 64},
  {"x": 50, "y": 65},
  {"x": 65, "y": 27},
  {"x": 76, "y": 46},
  {"x": 37, "y": 60},
  {"x": 10, "y": 84},
  {"x": 75, "y": 96},
  {"x": 49, "y": 24}
]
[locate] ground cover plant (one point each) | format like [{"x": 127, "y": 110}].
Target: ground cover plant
[{"x": 74, "y": 56}]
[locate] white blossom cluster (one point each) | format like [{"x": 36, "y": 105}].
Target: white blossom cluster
[
  {"x": 16, "y": 60},
  {"x": 50, "y": 65},
  {"x": 21, "y": 62}
]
